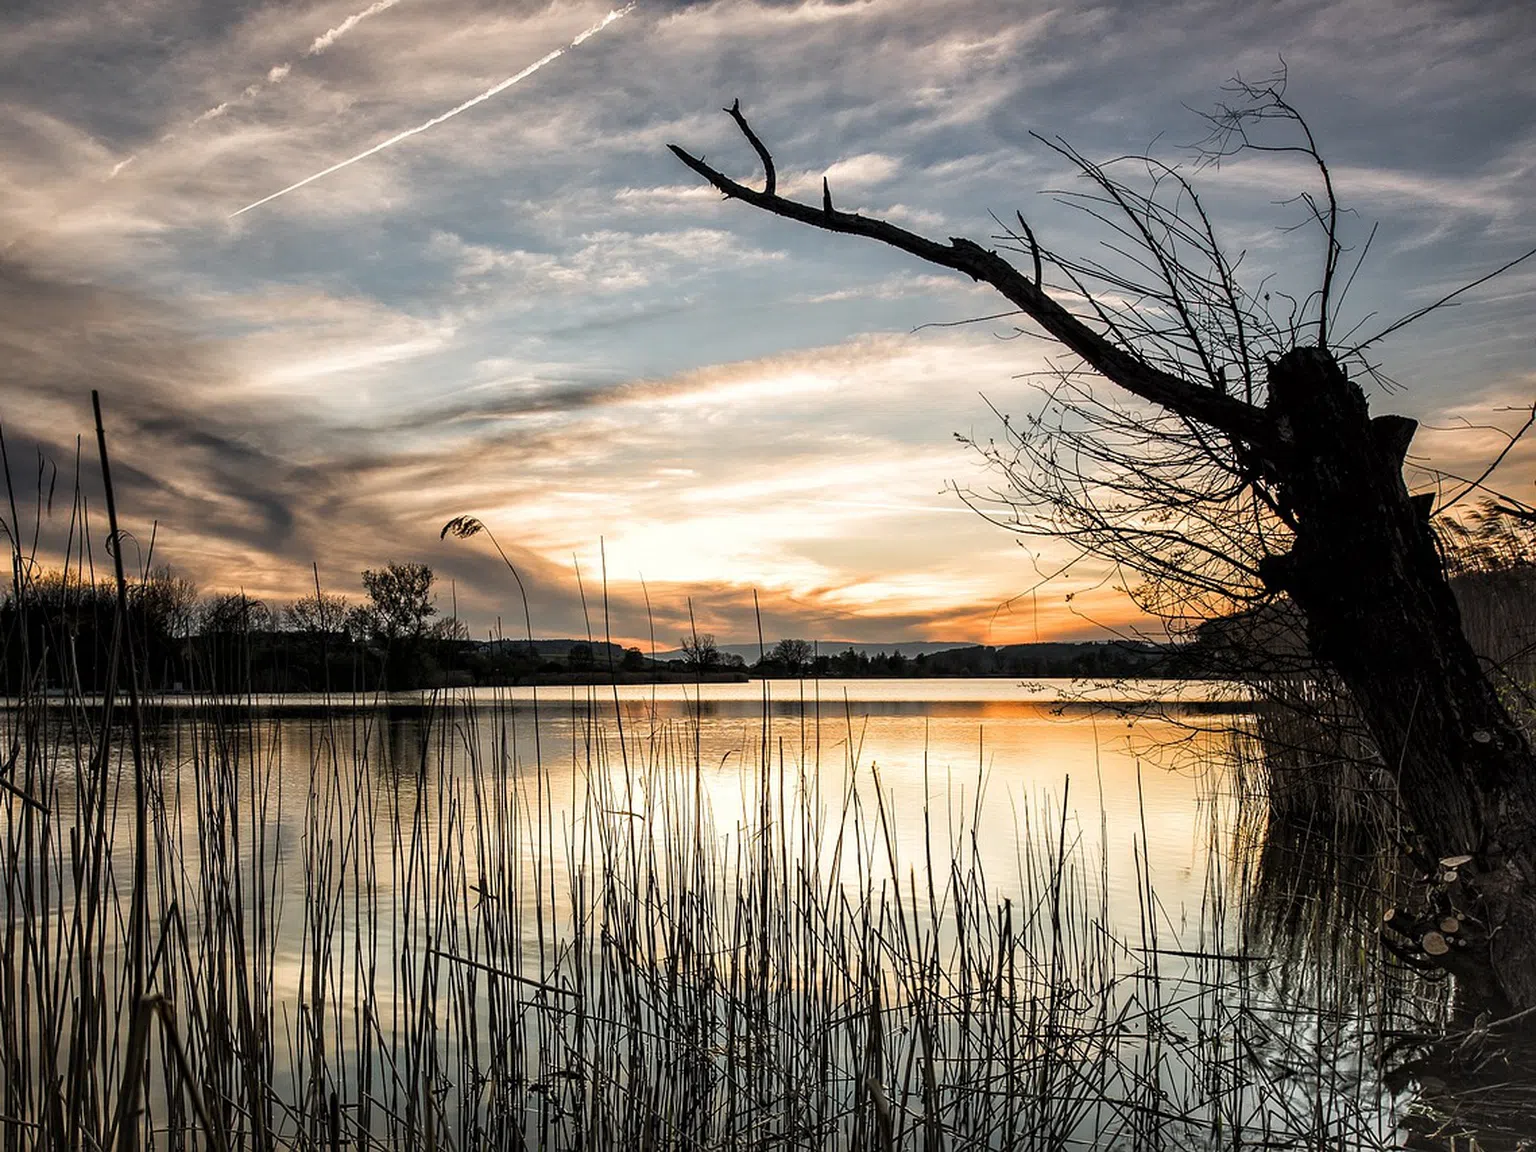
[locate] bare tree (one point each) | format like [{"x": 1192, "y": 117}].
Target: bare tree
[
  {"x": 1236, "y": 462},
  {"x": 168, "y": 602},
  {"x": 363, "y": 622},
  {"x": 700, "y": 652},
  {"x": 319, "y": 612},
  {"x": 234, "y": 613},
  {"x": 794, "y": 655}
]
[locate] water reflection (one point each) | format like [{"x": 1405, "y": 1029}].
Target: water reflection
[{"x": 741, "y": 909}]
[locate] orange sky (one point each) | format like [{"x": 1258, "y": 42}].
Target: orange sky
[{"x": 530, "y": 312}]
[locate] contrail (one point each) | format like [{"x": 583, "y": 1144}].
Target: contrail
[
  {"x": 324, "y": 41},
  {"x": 450, "y": 114},
  {"x": 275, "y": 75},
  {"x": 278, "y": 73}
]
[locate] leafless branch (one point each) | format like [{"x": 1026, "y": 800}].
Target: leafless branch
[
  {"x": 1230, "y": 134},
  {"x": 1474, "y": 485},
  {"x": 1227, "y": 414},
  {"x": 1444, "y": 300},
  {"x": 770, "y": 178}
]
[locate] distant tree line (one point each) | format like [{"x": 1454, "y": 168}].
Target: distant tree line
[
  {"x": 1065, "y": 660},
  {"x": 57, "y": 634},
  {"x": 1099, "y": 660},
  {"x": 58, "y": 629}
]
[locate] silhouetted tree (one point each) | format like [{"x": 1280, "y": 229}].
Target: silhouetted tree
[
  {"x": 400, "y": 596},
  {"x": 318, "y": 612},
  {"x": 794, "y": 655},
  {"x": 700, "y": 653},
  {"x": 362, "y": 622},
  {"x": 163, "y": 609},
  {"x": 231, "y": 627},
  {"x": 68, "y": 623},
  {"x": 233, "y": 613},
  {"x": 1238, "y": 463},
  {"x": 168, "y": 603},
  {"x": 851, "y": 662},
  {"x": 450, "y": 628}
]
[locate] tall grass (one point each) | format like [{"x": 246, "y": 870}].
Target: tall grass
[
  {"x": 370, "y": 929},
  {"x": 465, "y": 922}
]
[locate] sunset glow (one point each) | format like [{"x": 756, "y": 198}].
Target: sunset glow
[{"x": 533, "y": 314}]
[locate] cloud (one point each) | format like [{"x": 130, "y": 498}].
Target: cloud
[
  {"x": 534, "y": 314},
  {"x": 686, "y": 197},
  {"x": 279, "y": 72},
  {"x": 442, "y": 117},
  {"x": 215, "y": 474},
  {"x": 173, "y": 460},
  {"x": 856, "y": 172},
  {"x": 1458, "y": 443},
  {"x": 329, "y": 37},
  {"x": 599, "y": 262},
  {"x": 897, "y": 287},
  {"x": 241, "y": 501},
  {"x": 1382, "y": 190}
]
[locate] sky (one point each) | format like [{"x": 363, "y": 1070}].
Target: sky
[{"x": 530, "y": 312}]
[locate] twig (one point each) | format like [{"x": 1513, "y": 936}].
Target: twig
[
  {"x": 1446, "y": 299},
  {"x": 770, "y": 178}
]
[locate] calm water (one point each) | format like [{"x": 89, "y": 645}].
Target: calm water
[
  {"x": 361, "y": 852},
  {"x": 903, "y": 776},
  {"x": 981, "y": 763}
]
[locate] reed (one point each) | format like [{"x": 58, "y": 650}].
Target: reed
[
  {"x": 438, "y": 940},
  {"x": 459, "y": 921}
]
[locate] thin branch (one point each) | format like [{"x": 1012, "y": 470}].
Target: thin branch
[
  {"x": 1096, "y": 173},
  {"x": 770, "y": 178},
  {"x": 1227, "y": 414},
  {"x": 963, "y": 323},
  {"x": 1034, "y": 249},
  {"x": 1446, "y": 299},
  {"x": 1473, "y": 485}
]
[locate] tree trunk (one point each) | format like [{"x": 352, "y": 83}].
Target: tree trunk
[
  {"x": 1364, "y": 571},
  {"x": 1367, "y": 575}
]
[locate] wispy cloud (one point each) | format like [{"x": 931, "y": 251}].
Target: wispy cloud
[
  {"x": 279, "y": 72},
  {"x": 494, "y": 90},
  {"x": 326, "y": 39},
  {"x": 601, "y": 262},
  {"x": 545, "y": 322}
]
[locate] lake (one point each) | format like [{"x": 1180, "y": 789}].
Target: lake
[{"x": 824, "y": 913}]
